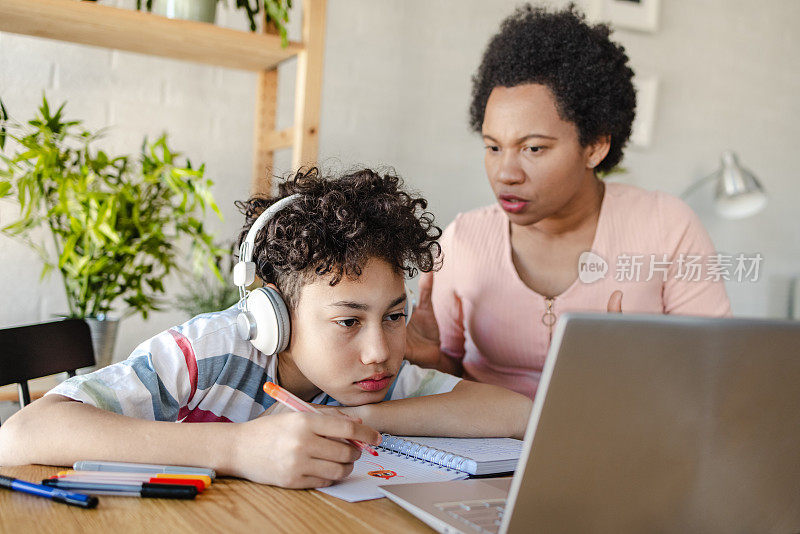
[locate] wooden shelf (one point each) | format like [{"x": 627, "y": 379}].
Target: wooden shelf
[{"x": 144, "y": 33}]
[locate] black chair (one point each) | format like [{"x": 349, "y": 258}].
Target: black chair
[{"x": 37, "y": 350}]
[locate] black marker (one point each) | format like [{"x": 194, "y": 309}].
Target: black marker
[{"x": 132, "y": 489}]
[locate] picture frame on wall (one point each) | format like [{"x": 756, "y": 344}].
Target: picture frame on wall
[
  {"x": 639, "y": 15},
  {"x": 646, "y": 104}
]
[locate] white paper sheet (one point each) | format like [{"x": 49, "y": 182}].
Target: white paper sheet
[{"x": 386, "y": 468}]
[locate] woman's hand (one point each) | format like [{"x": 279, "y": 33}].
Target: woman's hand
[
  {"x": 422, "y": 333},
  {"x": 298, "y": 450},
  {"x": 615, "y": 302}
]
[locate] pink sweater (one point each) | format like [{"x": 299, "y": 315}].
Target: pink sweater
[{"x": 489, "y": 318}]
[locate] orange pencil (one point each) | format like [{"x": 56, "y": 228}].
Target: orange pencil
[{"x": 299, "y": 405}]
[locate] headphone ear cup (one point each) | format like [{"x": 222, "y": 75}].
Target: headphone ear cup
[{"x": 271, "y": 318}]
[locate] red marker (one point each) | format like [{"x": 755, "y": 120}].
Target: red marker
[
  {"x": 299, "y": 405},
  {"x": 132, "y": 480},
  {"x": 138, "y": 476}
]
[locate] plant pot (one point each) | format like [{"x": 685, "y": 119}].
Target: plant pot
[
  {"x": 200, "y": 10},
  {"x": 104, "y": 337}
]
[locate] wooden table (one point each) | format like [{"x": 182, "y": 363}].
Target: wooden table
[{"x": 229, "y": 505}]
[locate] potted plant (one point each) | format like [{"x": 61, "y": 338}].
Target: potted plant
[
  {"x": 116, "y": 223},
  {"x": 276, "y": 12},
  {"x": 201, "y": 10}
]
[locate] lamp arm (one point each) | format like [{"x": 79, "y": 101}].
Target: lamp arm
[{"x": 697, "y": 184}]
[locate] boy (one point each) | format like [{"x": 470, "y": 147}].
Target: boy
[{"x": 338, "y": 253}]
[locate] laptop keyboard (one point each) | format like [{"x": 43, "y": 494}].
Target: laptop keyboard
[{"x": 477, "y": 516}]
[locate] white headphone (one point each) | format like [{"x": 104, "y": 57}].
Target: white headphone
[{"x": 263, "y": 316}]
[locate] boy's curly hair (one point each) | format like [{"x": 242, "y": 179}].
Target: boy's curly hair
[
  {"x": 336, "y": 226},
  {"x": 587, "y": 73}
]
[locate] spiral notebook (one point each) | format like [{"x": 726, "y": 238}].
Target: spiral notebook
[
  {"x": 474, "y": 456},
  {"x": 406, "y": 460}
]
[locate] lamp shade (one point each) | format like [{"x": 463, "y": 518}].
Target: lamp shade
[{"x": 739, "y": 194}]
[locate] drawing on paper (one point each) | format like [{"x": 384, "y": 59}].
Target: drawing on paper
[{"x": 380, "y": 472}]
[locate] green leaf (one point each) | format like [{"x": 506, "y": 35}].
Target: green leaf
[
  {"x": 109, "y": 232},
  {"x": 3, "y": 119},
  {"x": 69, "y": 248},
  {"x": 119, "y": 225},
  {"x": 46, "y": 270}
]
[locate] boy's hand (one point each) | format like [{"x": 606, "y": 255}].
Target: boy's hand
[
  {"x": 340, "y": 411},
  {"x": 298, "y": 450}
]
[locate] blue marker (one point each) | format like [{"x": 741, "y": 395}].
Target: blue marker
[{"x": 56, "y": 494}]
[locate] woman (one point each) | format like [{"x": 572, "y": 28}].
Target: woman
[{"x": 554, "y": 102}]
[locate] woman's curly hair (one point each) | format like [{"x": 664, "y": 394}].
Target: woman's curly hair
[
  {"x": 336, "y": 226},
  {"x": 587, "y": 73}
]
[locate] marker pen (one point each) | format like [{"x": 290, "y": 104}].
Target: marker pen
[
  {"x": 92, "y": 465},
  {"x": 143, "y": 489},
  {"x": 299, "y": 405},
  {"x": 206, "y": 481},
  {"x": 134, "y": 480},
  {"x": 55, "y": 494}
]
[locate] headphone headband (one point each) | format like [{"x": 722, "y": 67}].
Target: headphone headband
[{"x": 249, "y": 243}]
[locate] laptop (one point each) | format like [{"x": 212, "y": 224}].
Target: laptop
[{"x": 646, "y": 424}]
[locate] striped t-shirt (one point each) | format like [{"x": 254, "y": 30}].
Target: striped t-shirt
[{"x": 202, "y": 371}]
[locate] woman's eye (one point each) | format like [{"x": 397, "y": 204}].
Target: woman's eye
[
  {"x": 492, "y": 148},
  {"x": 395, "y": 316},
  {"x": 347, "y": 323}
]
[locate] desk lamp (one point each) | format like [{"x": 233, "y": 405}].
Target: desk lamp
[{"x": 738, "y": 194}]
